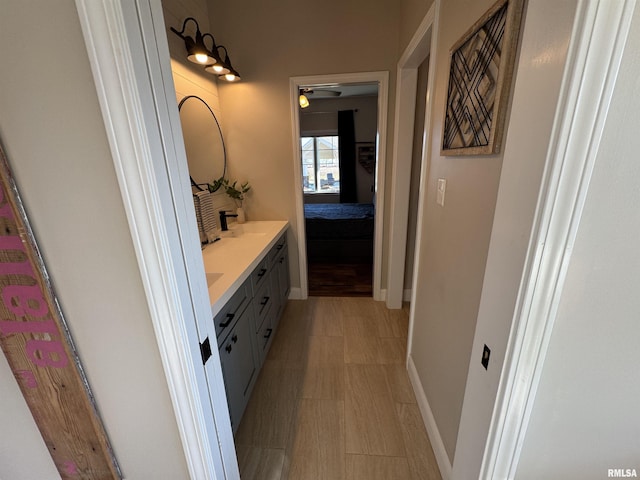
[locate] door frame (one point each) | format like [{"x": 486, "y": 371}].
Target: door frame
[
  {"x": 421, "y": 46},
  {"x": 205, "y": 429},
  {"x": 586, "y": 92},
  {"x": 295, "y": 83},
  {"x": 129, "y": 56}
]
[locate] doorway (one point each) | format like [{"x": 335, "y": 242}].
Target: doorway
[
  {"x": 338, "y": 129},
  {"x": 339, "y": 142}
]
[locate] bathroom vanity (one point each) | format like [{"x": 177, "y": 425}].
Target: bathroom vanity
[{"x": 248, "y": 282}]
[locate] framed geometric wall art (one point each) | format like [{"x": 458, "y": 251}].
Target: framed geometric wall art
[{"x": 480, "y": 76}]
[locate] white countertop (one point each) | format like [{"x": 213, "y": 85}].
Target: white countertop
[{"x": 229, "y": 261}]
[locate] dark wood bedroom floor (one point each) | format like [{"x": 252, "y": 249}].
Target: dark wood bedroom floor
[{"x": 340, "y": 280}]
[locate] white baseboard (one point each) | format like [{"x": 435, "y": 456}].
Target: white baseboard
[
  {"x": 383, "y": 295},
  {"x": 444, "y": 464},
  {"x": 295, "y": 293},
  {"x": 406, "y": 295}
]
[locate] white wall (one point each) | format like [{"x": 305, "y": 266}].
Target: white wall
[
  {"x": 585, "y": 418},
  {"x": 54, "y": 137},
  {"x": 269, "y": 42},
  {"x": 411, "y": 14},
  {"x": 541, "y": 64},
  {"x": 452, "y": 254}
]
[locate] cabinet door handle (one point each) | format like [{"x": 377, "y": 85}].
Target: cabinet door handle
[
  {"x": 234, "y": 339},
  {"x": 282, "y": 260},
  {"x": 229, "y": 318},
  {"x": 262, "y": 272},
  {"x": 269, "y": 332},
  {"x": 228, "y": 348},
  {"x": 264, "y": 301},
  {"x": 279, "y": 247}
]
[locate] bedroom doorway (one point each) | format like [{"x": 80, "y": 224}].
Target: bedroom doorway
[{"x": 336, "y": 135}]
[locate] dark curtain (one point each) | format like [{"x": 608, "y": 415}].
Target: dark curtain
[{"x": 347, "y": 148}]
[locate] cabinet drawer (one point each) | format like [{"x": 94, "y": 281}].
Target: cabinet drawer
[
  {"x": 229, "y": 314},
  {"x": 259, "y": 276},
  {"x": 239, "y": 366},
  {"x": 264, "y": 336},
  {"x": 262, "y": 302},
  {"x": 277, "y": 248}
]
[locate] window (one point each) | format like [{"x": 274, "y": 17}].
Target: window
[{"x": 320, "y": 164}]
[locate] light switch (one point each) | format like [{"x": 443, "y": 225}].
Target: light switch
[{"x": 442, "y": 187}]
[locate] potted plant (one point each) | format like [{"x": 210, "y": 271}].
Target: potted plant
[{"x": 237, "y": 193}]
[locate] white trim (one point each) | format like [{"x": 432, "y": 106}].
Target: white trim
[
  {"x": 382, "y": 78},
  {"x": 295, "y": 294},
  {"x": 406, "y": 295},
  {"x": 424, "y": 170},
  {"x": 595, "y": 52},
  {"x": 141, "y": 130},
  {"x": 444, "y": 464},
  {"x": 300, "y": 228},
  {"x": 407, "y": 77}
]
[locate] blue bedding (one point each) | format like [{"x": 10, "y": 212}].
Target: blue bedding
[
  {"x": 338, "y": 211},
  {"x": 339, "y": 221}
]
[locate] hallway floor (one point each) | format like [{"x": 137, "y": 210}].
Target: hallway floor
[
  {"x": 340, "y": 279},
  {"x": 333, "y": 400}
]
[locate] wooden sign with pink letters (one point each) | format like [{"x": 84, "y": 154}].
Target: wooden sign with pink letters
[{"x": 36, "y": 341}]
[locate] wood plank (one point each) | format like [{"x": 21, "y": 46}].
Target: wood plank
[
  {"x": 340, "y": 280},
  {"x": 37, "y": 343}
]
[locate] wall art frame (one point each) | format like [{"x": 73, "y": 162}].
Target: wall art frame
[
  {"x": 480, "y": 77},
  {"x": 366, "y": 154}
]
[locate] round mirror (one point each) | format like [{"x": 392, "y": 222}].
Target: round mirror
[{"x": 206, "y": 154}]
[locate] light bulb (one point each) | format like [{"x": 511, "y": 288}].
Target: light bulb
[
  {"x": 230, "y": 77},
  {"x": 304, "y": 101},
  {"x": 202, "y": 58}
]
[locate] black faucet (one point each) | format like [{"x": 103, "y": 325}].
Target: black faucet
[{"x": 223, "y": 219}]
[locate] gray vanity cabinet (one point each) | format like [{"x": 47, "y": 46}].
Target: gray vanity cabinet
[
  {"x": 279, "y": 261},
  {"x": 247, "y": 324},
  {"x": 263, "y": 308},
  {"x": 237, "y": 353}
]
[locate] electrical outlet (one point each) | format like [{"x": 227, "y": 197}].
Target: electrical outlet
[{"x": 486, "y": 353}]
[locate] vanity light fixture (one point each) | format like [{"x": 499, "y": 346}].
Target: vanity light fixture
[
  {"x": 220, "y": 67},
  {"x": 227, "y": 72},
  {"x": 197, "y": 51}
]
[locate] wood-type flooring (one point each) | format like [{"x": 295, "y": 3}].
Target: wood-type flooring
[
  {"x": 333, "y": 400},
  {"x": 340, "y": 279}
]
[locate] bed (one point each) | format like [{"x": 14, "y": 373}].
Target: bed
[{"x": 339, "y": 232}]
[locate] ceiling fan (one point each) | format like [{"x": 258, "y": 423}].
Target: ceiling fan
[
  {"x": 316, "y": 92},
  {"x": 321, "y": 92}
]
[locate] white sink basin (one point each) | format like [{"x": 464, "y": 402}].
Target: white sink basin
[
  {"x": 228, "y": 261},
  {"x": 244, "y": 229}
]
